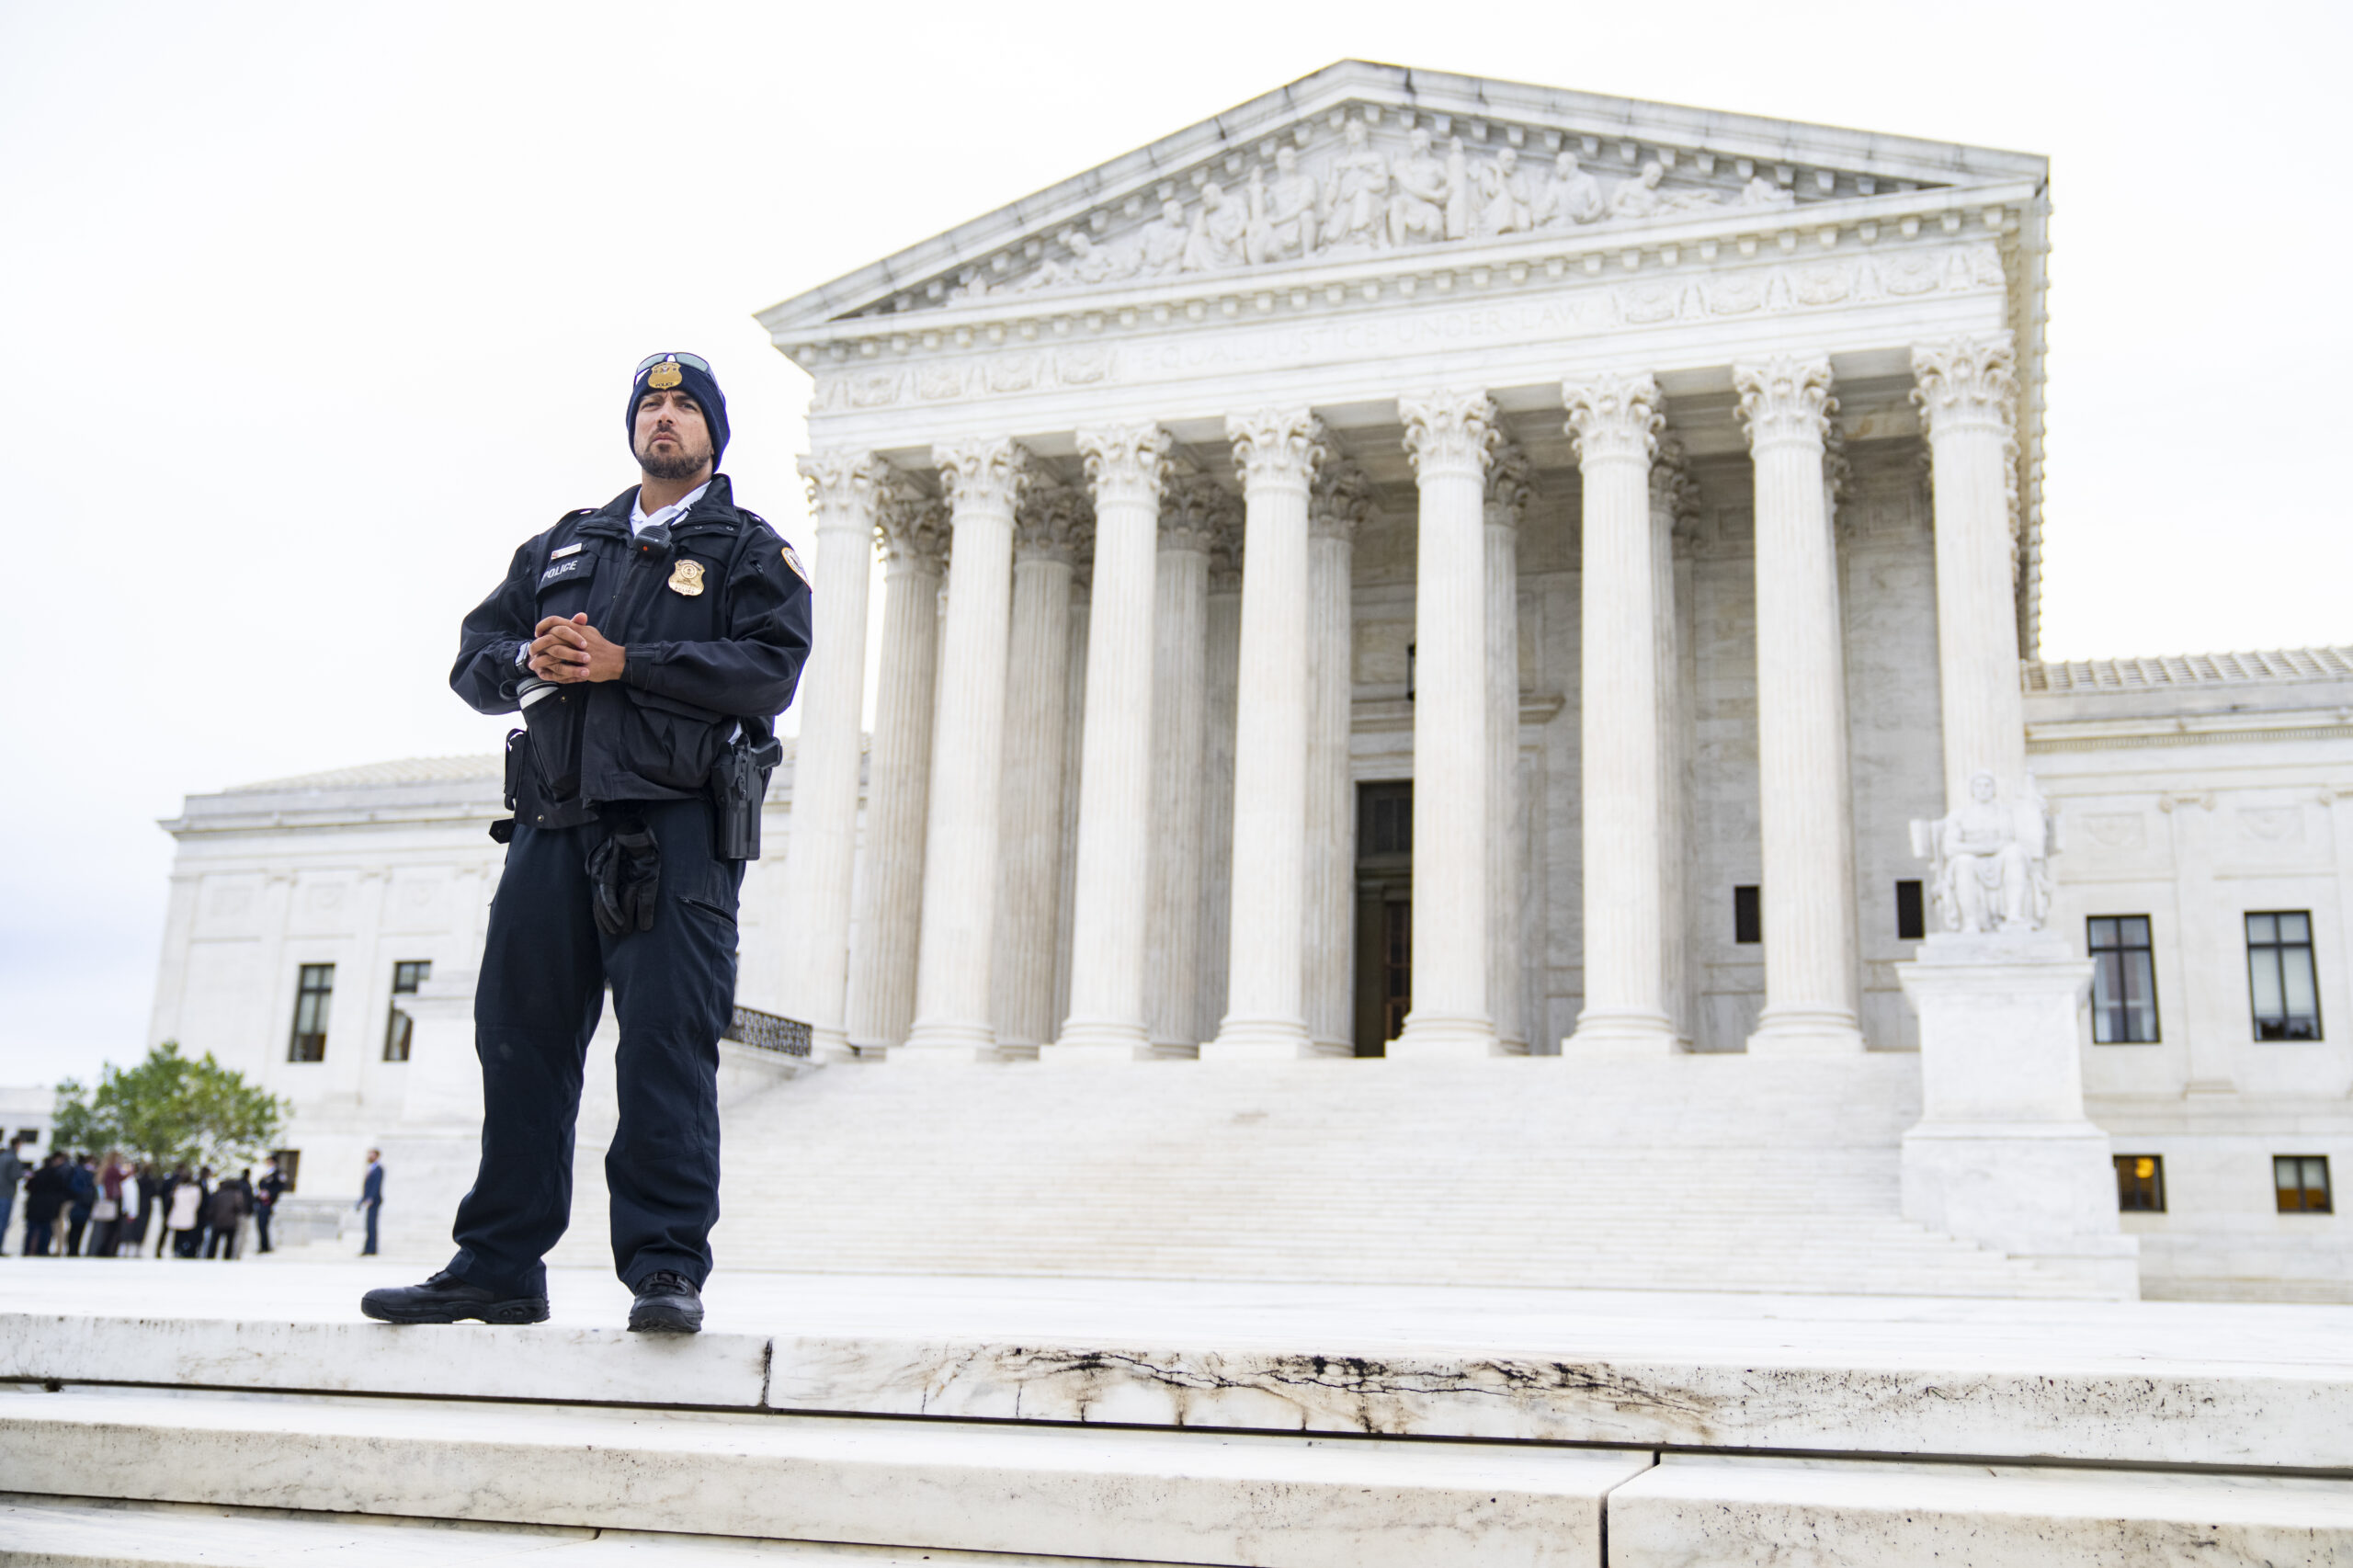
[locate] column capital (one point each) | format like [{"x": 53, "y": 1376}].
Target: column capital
[
  {"x": 1051, "y": 522},
  {"x": 1673, "y": 494},
  {"x": 845, "y": 486},
  {"x": 1126, "y": 462},
  {"x": 1614, "y": 416},
  {"x": 1785, "y": 400},
  {"x": 1511, "y": 484},
  {"x": 1449, "y": 432},
  {"x": 1277, "y": 447},
  {"x": 1339, "y": 500},
  {"x": 1194, "y": 509},
  {"x": 1966, "y": 382},
  {"x": 985, "y": 475},
  {"x": 911, "y": 527}
]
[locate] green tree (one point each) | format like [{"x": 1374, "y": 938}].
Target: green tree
[{"x": 171, "y": 1111}]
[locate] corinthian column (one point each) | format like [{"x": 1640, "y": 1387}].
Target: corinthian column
[
  {"x": 1448, "y": 437},
  {"x": 1804, "y": 795},
  {"x": 843, "y": 491},
  {"x": 1224, "y": 666},
  {"x": 1126, "y": 465},
  {"x": 1674, "y": 502},
  {"x": 913, "y": 531},
  {"x": 953, "y": 1021},
  {"x": 1510, "y": 484},
  {"x": 1338, "y": 502},
  {"x": 1968, "y": 397},
  {"x": 1616, "y": 420},
  {"x": 1265, "y": 1012},
  {"x": 1047, "y": 528},
  {"x": 1179, "y": 734}
]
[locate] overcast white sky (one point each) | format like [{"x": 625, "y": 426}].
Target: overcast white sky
[{"x": 313, "y": 313}]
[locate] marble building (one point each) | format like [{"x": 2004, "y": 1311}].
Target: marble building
[{"x": 1432, "y": 572}]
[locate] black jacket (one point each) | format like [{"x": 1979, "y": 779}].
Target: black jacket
[{"x": 700, "y": 663}]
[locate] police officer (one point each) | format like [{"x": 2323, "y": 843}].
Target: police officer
[{"x": 649, "y": 642}]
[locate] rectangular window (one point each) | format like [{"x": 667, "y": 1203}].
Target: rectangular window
[
  {"x": 2302, "y": 1183},
  {"x": 407, "y": 975},
  {"x": 1911, "y": 923},
  {"x": 2124, "y": 980},
  {"x": 2141, "y": 1184},
  {"x": 312, "y": 992},
  {"x": 2281, "y": 978},
  {"x": 1747, "y": 915},
  {"x": 1385, "y": 819},
  {"x": 289, "y": 1164}
]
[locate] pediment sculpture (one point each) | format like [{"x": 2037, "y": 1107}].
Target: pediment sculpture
[
  {"x": 1350, "y": 199},
  {"x": 1990, "y": 859}
]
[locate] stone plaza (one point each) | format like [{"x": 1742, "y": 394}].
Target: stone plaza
[{"x": 1460, "y": 735}]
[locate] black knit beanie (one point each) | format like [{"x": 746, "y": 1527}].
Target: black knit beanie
[{"x": 686, "y": 372}]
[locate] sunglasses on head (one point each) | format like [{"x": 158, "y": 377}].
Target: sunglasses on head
[{"x": 695, "y": 360}]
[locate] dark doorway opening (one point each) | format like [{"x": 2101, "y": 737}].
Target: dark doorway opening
[{"x": 1385, "y": 913}]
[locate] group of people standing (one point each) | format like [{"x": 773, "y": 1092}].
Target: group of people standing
[{"x": 81, "y": 1206}]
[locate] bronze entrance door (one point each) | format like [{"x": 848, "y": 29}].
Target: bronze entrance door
[{"x": 1385, "y": 913}]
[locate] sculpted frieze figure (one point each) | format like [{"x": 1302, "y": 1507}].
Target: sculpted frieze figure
[
  {"x": 1506, "y": 196},
  {"x": 1990, "y": 859},
  {"x": 1215, "y": 242},
  {"x": 1571, "y": 197},
  {"x": 1283, "y": 212},
  {"x": 1356, "y": 193},
  {"x": 1761, "y": 191},
  {"x": 1161, "y": 244},
  {"x": 1417, "y": 206},
  {"x": 1644, "y": 195}
]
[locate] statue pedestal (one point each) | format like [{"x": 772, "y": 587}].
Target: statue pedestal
[{"x": 2003, "y": 1153}]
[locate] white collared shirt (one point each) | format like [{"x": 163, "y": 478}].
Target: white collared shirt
[{"x": 639, "y": 521}]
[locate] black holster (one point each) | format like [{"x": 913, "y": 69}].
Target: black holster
[{"x": 739, "y": 785}]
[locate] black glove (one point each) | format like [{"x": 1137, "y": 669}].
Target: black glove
[{"x": 625, "y": 871}]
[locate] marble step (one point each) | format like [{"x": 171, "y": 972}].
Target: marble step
[
  {"x": 76, "y": 1532},
  {"x": 1164, "y": 1495},
  {"x": 1709, "y": 1511}
]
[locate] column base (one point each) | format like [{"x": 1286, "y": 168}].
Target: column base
[
  {"x": 1096, "y": 1044},
  {"x": 940, "y": 1044},
  {"x": 1806, "y": 1031},
  {"x": 830, "y": 1045},
  {"x": 1626, "y": 1034},
  {"x": 1259, "y": 1039},
  {"x": 1432, "y": 1039}
]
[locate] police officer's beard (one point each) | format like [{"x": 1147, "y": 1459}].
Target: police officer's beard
[{"x": 679, "y": 465}]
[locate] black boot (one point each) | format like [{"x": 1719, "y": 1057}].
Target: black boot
[
  {"x": 666, "y": 1304},
  {"x": 445, "y": 1297}
]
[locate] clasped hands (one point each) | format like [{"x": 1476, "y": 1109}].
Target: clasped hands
[{"x": 568, "y": 651}]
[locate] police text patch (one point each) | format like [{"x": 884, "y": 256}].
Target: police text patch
[{"x": 575, "y": 567}]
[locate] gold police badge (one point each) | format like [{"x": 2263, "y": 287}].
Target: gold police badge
[
  {"x": 685, "y": 578},
  {"x": 662, "y": 379}
]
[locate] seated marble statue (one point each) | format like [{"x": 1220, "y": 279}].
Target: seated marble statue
[
  {"x": 1282, "y": 213},
  {"x": 1215, "y": 242},
  {"x": 1162, "y": 242},
  {"x": 1506, "y": 205},
  {"x": 1572, "y": 198},
  {"x": 1418, "y": 209},
  {"x": 1761, "y": 191},
  {"x": 1355, "y": 195},
  {"x": 1990, "y": 859}
]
